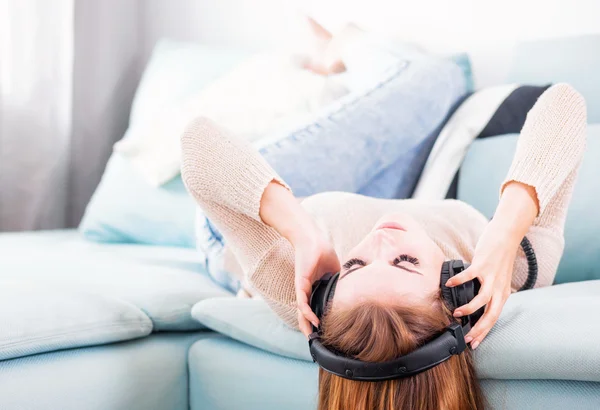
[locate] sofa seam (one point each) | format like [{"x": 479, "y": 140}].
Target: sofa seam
[{"x": 73, "y": 331}]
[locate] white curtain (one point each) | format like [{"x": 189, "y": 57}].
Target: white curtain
[
  {"x": 36, "y": 60},
  {"x": 68, "y": 70}
]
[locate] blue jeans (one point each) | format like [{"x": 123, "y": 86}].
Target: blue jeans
[{"x": 374, "y": 141}]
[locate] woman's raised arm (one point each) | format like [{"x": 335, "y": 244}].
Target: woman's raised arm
[
  {"x": 534, "y": 199},
  {"x": 227, "y": 177},
  {"x": 314, "y": 254},
  {"x": 259, "y": 217}
]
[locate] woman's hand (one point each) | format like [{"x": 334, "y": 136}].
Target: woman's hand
[
  {"x": 495, "y": 255},
  {"x": 315, "y": 257},
  {"x": 493, "y": 263},
  {"x": 314, "y": 254}
]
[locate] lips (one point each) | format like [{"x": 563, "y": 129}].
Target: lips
[{"x": 391, "y": 225}]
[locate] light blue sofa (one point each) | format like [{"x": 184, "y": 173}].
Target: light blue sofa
[
  {"x": 117, "y": 326},
  {"x": 133, "y": 327}
]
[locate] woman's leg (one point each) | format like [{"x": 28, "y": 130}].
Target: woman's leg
[
  {"x": 368, "y": 142},
  {"x": 358, "y": 138}
]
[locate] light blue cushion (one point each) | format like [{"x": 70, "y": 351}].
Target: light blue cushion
[
  {"x": 546, "y": 333},
  {"x": 541, "y": 394},
  {"x": 39, "y": 317},
  {"x": 162, "y": 282},
  {"x": 484, "y": 169},
  {"x": 225, "y": 374},
  {"x": 262, "y": 381},
  {"x": 143, "y": 374},
  {"x": 574, "y": 60},
  {"x": 178, "y": 70},
  {"x": 524, "y": 344},
  {"x": 251, "y": 321},
  {"x": 127, "y": 209}
]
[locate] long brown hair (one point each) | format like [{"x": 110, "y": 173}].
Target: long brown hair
[{"x": 376, "y": 333}]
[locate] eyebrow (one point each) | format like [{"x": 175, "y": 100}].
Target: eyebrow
[{"x": 395, "y": 266}]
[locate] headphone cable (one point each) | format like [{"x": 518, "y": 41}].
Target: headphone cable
[{"x": 532, "y": 266}]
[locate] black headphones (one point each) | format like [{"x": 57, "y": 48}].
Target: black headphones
[{"x": 449, "y": 342}]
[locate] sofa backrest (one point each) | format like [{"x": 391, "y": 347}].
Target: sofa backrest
[{"x": 484, "y": 169}]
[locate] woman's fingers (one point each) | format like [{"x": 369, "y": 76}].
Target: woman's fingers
[
  {"x": 303, "y": 324},
  {"x": 305, "y": 315},
  {"x": 478, "y": 301},
  {"x": 468, "y": 274},
  {"x": 487, "y": 321},
  {"x": 303, "y": 289},
  {"x": 309, "y": 314},
  {"x": 304, "y": 308}
]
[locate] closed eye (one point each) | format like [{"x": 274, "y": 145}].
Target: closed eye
[
  {"x": 353, "y": 262},
  {"x": 406, "y": 258}
]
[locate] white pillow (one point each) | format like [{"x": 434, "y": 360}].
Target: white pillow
[{"x": 261, "y": 95}]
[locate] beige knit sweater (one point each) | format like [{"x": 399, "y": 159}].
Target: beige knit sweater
[{"x": 227, "y": 178}]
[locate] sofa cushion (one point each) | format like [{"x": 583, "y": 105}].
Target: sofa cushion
[
  {"x": 40, "y": 317},
  {"x": 251, "y": 321},
  {"x": 546, "y": 333},
  {"x": 126, "y": 208},
  {"x": 142, "y": 374},
  {"x": 163, "y": 282},
  {"x": 176, "y": 71},
  {"x": 485, "y": 167},
  {"x": 268, "y": 382},
  {"x": 227, "y": 375}
]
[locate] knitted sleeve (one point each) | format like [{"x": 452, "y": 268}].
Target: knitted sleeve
[
  {"x": 548, "y": 155},
  {"x": 227, "y": 178}
]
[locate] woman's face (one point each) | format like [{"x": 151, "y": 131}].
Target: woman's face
[{"x": 396, "y": 262}]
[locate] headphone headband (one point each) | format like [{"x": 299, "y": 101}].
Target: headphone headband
[{"x": 450, "y": 342}]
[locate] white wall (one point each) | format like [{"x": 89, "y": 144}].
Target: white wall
[{"x": 486, "y": 29}]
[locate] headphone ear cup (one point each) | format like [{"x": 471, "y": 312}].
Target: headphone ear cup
[
  {"x": 447, "y": 296},
  {"x": 467, "y": 293},
  {"x": 322, "y": 294},
  {"x": 455, "y": 296},
  {"x": 462, "y": 294},
  {"x": 317, "y": 302}
]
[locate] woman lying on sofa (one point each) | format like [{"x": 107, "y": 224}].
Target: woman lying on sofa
[
  {"x": 390, "y": 252},
  {"x": 387, "y": 301}
]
